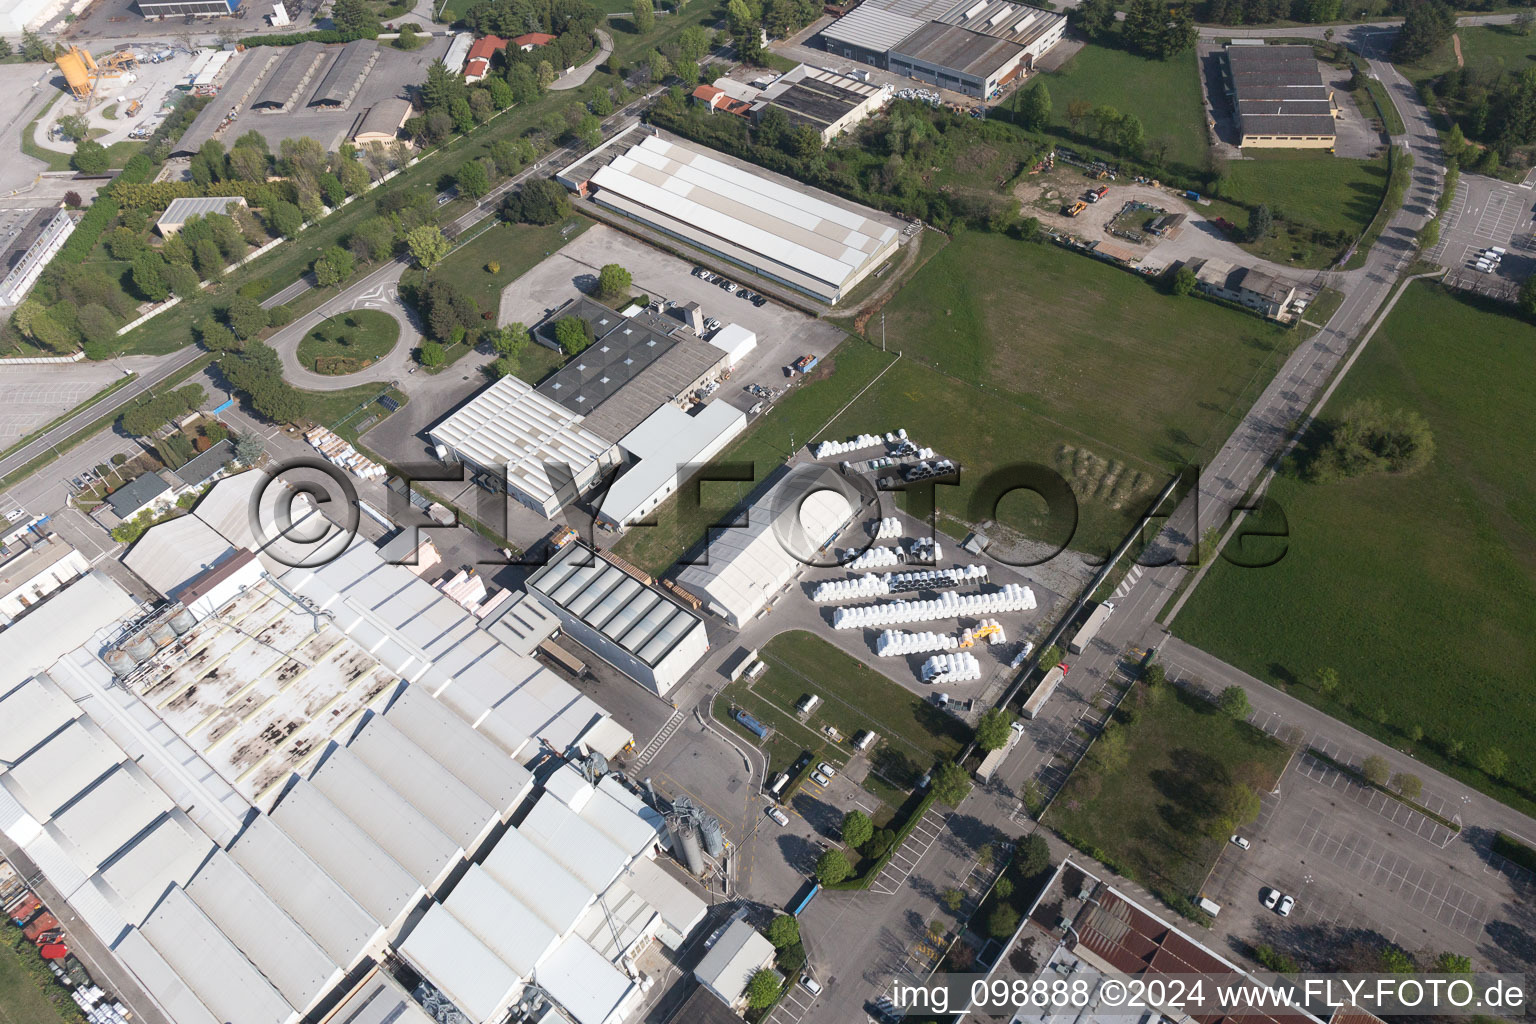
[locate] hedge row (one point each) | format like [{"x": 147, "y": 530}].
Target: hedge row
[
  {"x": 1513, "y": 850},
  {"x": 325, "y": 35},
  {"x": 103, "y": 211},
  {"x": 158, "y": 194},
  {"x": 867, "y": 877}
]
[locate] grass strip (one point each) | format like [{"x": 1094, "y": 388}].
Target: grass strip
[{"x": 1355, "y": 774}]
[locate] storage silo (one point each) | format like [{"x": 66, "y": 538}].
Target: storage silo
[
  {"x": 685, "y": 838},
  {"x": 714, "y": 838}
]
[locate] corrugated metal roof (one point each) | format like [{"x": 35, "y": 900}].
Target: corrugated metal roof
[
  {"x": 107, "y": 816},
  {"x": 380, "y": 1000},
  {"x": 462, "y": 967},
  {"x": 733, "y": 959},
  {"x": 507, "y": 926},
  {"x": 184, "y": 209},
  {"x": 161, "y": 981},
  {"x": 30, "y": 713},
  {"x": 315, "y": 899},
  {"x": 473, "y": 759},
  {"x": 214, "y": 969},
  {"x": 168, "y": 855},
  {"x": 347, "y": 853},
  {"x": 172, "y": 554},
  {"x": 872, "y": 27},
  {"x": 678, "y": 905},
  {"x": 582, "y": 847},
  {"x": 958, "y": 49},
  {"x": 291, "y": 74},
  {"x": 344, "y": 76},
  {"x": 243, "y": 911},
  {"x": 543, "y": 882},
  {"x": 586, "y": 985},
  {"x": 667, "y": 439},
  {"x": 57, "y": 626},
  {"x": 400, "y": 829},
  {"x": 416, "y": 775}
]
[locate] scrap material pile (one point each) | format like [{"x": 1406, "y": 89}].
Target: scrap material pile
[
  {"x": 1011, "y": 598},
  {"x": 339, "y": 453},
  {"x": 951, "y": 668}
]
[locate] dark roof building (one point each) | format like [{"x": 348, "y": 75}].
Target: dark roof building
[
  {"x": 154, "y": 10},
  {"x": 1280, "y": 97},
  {"x": 292, "y": 74},
  {"x": 346, "y": 74},
  {"x": 137, "y": 495},
  {"x": 203, "y": 468},
  {"x": 826, "y": 101}
]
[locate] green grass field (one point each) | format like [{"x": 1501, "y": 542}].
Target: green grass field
[
  {"x": 1314, "y": 188},
  {"x": 913, "y": 733},
  {"x": 1164, "y": 94},
  {"x": 1152, "y": 816},
  {"x": 1419, "y": 591},
  {"x": 1043, "y": 348},
  {"x": 24, "y": 999},
  {"x": 1486, "y": 48},
  {"x": 349, "y": 342},
  {"x": 798, "y": 417}
]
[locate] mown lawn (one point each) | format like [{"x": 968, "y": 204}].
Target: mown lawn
[
  {"x": 1485, "y": 48},
  {"x": 348, "y": 342},
  {"x": 513, "y": 248},
  {"x": 1153, "y": 816},
  {"x": 682, "y": 520},
  {"x": 1164, "y": 94},
  {"x": 913, "y": 733},
  {"x": 23, "y": 997},
  {"x": 1419, "y": 591},
  {"x": 1312, "y": 188}
]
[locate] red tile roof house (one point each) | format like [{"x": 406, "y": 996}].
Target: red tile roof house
[
  {"x": 715, "y": 99},
  {"x": 479, "y": 63},
  {"x": 533, "y": 39}
]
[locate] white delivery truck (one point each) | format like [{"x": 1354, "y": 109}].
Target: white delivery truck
[{"x": 1090, "y": 628}]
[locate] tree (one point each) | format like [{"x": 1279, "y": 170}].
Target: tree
[
  {"x": 783, "y": 931},
  {"x": 245, "y": 317},
  {"x": 74, "y": 126},
  {"x": 1376, "y": 770},
  {"x": 1427, "y": 25},
  {"x": 431, "y": 355},
  {"x": 658, "y": 65},
  {"x": 950, "y": 784},
  {"x": 1525, "y": 22},
  {"x": 472, "y": 179},
  {"x": 427, "y": 245},
  {"x": 791, "y": 958},
  {"x": 333, "y": 266},
  {"x": 613, "y": 282},
  {"x": 284, "y": 218},
  {"x": 1002, "y": 922},
  {"x": 34, "y": 47},
  {"x": 1493, "y": 763},
  {"x": 280, "y": 315},
  {"x": 5, "y": 48},
  {"x": 354, "y": 18},
  {"x": 1129, "y": 135},
  {"x": 832, "y": 867},
  {"x": 1368, "y": 438},
  {"x": 373, "y": 240},
  {"x": 1234, "y": 702},
  {"x": 589, "y": 130},
  {"x": 1409, "y": 785},
  {"x": 510, "y": 341},
  {"x": 764, "y": 988},
  {"x": 542, "y": 201},
  {"x": 409, "y": 38},
  {"x": 249, "y": 447},
  {"x": 573, "y": 334},
  {"x": 544, "y": 74},
  {"x": 880, "y": 843},
  {"x": 148, "y": 279},
  {"x": 644, "y": 16},
  {"x": 994, "y": 729},
  {"x": 1033, "y": 856},
  {"x": 857, "y": 828},
  {"x": 72, "y": 199},
  {"x": 90, "y": 157},
  {"x": 1035, "y": 107},
  {"x": 1094, "y": 17},
  {"x": 1003, "y": 888},
  {"x": 1078, "y": 111},
  {"x": 1528, "y": 296},
  {"x": 1429, "y": 234},
  {"x": 1395, "y": 961},
  {"x": 1184, "y": 281},
  {"x": 1326, "y": 680},
  {"x": 1050, "y": 658},
  {"x": 1260, "y": 223},
  {"x": 692, "y": 44},
  {"x": 1451, "y": 963},
  {"x": 1236, "y": 806}
]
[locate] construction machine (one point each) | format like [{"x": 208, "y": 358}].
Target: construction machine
[{"x": 82, "y": 71}]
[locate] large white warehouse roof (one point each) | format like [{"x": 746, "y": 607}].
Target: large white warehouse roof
[{"x": 803, "y": 236}]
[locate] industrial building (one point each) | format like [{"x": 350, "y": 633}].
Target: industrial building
[
  {"x": 154, "y": 10},
  {"x": 666, "y": 448},
  {"x": 737, "y": 954},
  {"x": 803, "y": 238},
  {"x": 32, "y": 567},
  {"x": 184, "y": 209},
  {"x": 517, "y": 440},
  {"x": 382, "y": 123},
  {"x": 745, "y": 566},
  {"x": 1259, "y": 290},
  {"x": 826, "y": 101},
  {"x": 1280, "y": 97},
  {"x": 35, "y": 244},
  {"x": 625, "y": 620},
  {"x": 974, "y": 47}
]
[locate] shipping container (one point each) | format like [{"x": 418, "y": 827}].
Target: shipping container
[
  {"x": 750, "y": 724},
  {"x": 1043, "y": 691},
  {"x": 1090, "y": 628}
]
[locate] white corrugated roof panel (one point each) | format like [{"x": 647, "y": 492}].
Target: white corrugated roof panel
[
  {"x": 416, "y": 775},
  {"x": 463, "y": 968},
  {"x": 217, "y": 972},
  {"x": 507, "y": 926},
  {"x": 172, "y": 554},
  {"x": 629, "y": 831},
  {"x": 62, "y": 768},
  {"x": 29, "y": 714},
  {"x": 736, "y": 341},
  {"x": 292, "y": 961},
  {"x": 586, "y": 985},
  {"x": 400, "y": 829},
  {"x": 560, "y": 832},
  {"x": 115, "y": 810},
  {"x": 347, "y": 853},
  {"x": 569, "y": 786},
  {"x": 540, "y": 880},
  {"x": 871, "y": 28},
  {"x": 168, "y": 855},
  {"x": 317, "y": 901},
  {"x": 57, "y": 626},
  {"x": 472, "y": 758},
  {"x": 161, "y": 981},
  {"x": 678, "y": 905},
  {"x": 380, "y": 999}
]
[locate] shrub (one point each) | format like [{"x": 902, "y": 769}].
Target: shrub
[
  {"x": 1003, "y": 921},
  {"x": 857, "y": 828},
  {"x": 783, "y": 931}
]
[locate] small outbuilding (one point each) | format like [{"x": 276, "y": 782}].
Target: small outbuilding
[{"x": 182, "y": 210}]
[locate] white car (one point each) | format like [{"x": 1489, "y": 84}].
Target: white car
[
  {"x": 778, "y": 816},
  {"x": 810, "y": 984},
  {"x": 820, "y": 779},
  {"x": 826, "y": 769},
  {"x": 1271, "y": 898},
  {"x": 1240, "y": 842},
  {"x": 1286, "y": 903}
]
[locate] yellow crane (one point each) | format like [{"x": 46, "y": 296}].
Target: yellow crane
[{"x": 82, "y": 71}]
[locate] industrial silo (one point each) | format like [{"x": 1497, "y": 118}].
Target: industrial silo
[
  {"x": 685, "y": 839},
  {"x": 183, "y": 621},
  {"x": 714, "y": 838}
]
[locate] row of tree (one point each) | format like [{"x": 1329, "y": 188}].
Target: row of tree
[
  {"x": 154, "y": 412},
  {"x": 1150, "y": 28}
]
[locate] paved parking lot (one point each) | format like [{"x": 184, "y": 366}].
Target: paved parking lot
[
  {"x": 32, "y": 396},
  {"x": 1484, "y": 213}
]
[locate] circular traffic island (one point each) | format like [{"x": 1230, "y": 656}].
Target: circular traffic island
[{"x": 349, "y": 342}]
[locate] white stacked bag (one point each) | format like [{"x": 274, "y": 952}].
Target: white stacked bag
[
  {"x": 993, "y": 639},
  {"x": 1011, "y": 598},
  {"x": 951, "y": 668},
  {"x": 875, "y": 558},
  {"x": 885, "y": 529},
  {"x": 827, "y": 449},
  {"x": 893, "y": 643},
  {"x": 867, "y": 585},
  {"x": 924, "y": 549}
]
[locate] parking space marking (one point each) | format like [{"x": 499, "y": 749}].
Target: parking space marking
[
  {"x": 1445, "y": 902},
  {"x": 797, "y": 1002},
  {"x": 1395, "y": 811},
  {"x": 922, "y": 837}
]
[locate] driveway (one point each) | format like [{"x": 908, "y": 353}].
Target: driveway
[
  {"x": 378, "y": 291},
  {"x": 578, "y": 78}
]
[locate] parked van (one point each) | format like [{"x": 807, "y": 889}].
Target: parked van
[{"x": 810, "y": 702}]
